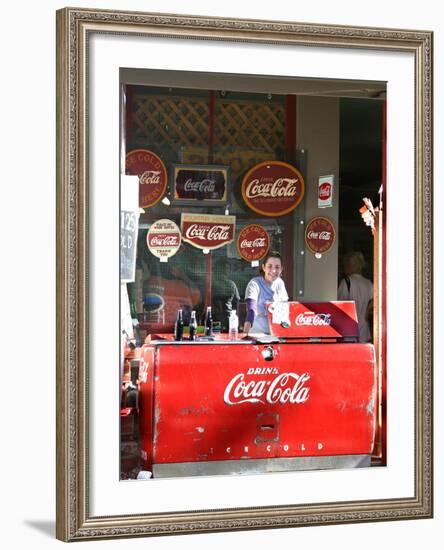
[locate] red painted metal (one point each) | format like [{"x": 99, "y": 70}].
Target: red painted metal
[
  {"x": 313, "y": 319},
  {"x": 146, "y": 404},
  {"x": 384, "y": 286},
  {"x": 222, "y": 401}
]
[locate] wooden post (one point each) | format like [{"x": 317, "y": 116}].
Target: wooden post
[{"x": 377, "y": 452}]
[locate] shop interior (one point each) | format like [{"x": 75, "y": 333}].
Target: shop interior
[
  {"x": 321, "y": 127},
  {"x": 229, "y": 124}
]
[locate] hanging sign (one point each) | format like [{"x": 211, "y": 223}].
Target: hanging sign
[
  {"x": 320, "y": 235},
  {"x": 163, "y": 239},
  {"x": 129, "y": 225},
  {"x": 200, "y": 185},
  {"x": 253, "y": 242},
  {"x": 152, "y": 175},
  {"x": 207, "y": 232},
  {"x": 325, "y": 191},
  {"x": 272, "y": 188}
]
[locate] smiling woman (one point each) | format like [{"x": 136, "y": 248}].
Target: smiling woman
[{"x": 267, "y": 287}]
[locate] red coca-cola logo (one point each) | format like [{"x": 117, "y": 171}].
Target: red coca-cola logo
[
  {"x": 164, "y": 239},
  {"x": 253, "y": 242},
  {"x": 325, "y": 191},
  {"x": 273, "y": 188},
  {"x": 152, "y": 175},
  {"x": 320, "y": 235},
  {"x": 207, "y": 231}
]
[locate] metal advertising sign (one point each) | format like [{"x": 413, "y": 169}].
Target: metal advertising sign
[
  {"x": 207, "y": 232},
  {"x": 273, "y": 188},
  {"x": 253, "y": 242},
  {"x": 152, "y": 175},
  {"x": 325, "y": 191},
  {"x": 301, "y": 403},
  {"x": 200, "y": 184},
  {"x": 163, "y": 239},
  {"x": 320, "y": 235},
  {"x": 313, "y": 319}
]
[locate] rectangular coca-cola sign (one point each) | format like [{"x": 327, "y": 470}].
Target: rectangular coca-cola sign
[
  {"x": 200, "y": 184},
  {"x": 206, "y": 231},
  {"x": 313, "y": 319}
]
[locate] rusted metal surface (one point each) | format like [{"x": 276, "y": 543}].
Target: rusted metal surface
[{"x": 219, "y": 402}]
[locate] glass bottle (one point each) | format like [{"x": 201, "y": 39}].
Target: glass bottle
[
  {"x": 178, "y": 327},
  {"x": 208, "y": 322},
  {"x": 193, "y": 326},
  {"x": 233, "y": 323}
]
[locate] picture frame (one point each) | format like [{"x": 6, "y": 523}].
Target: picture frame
[
  {"x": 199, "y": 194},
  {"x": 76, "y": 214}
]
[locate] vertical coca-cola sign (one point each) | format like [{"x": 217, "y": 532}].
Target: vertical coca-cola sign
[
  {"x": 207, "y": 232},
  {"x": 325, "y": 191}
]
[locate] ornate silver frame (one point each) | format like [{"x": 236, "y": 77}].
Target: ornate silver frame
[{"x": 74, "y": 521}]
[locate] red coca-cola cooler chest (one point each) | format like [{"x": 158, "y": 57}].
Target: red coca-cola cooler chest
[{"x": 302, "y": 397}]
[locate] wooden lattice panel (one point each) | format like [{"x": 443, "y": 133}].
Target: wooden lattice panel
[
  {"x": 171, "y": 121},
  {"x": 168, "y": 120},
  {"x": 250, "y": 125}
]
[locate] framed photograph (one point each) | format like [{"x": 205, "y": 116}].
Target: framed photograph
[
  {"x": 155, "y": 437},
  {"x": 200, "y": 185}
]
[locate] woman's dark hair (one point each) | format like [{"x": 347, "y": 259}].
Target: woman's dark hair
[{"x": 271, "y": 254}]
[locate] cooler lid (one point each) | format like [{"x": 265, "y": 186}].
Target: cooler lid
[{"x": 313, "y": 319}]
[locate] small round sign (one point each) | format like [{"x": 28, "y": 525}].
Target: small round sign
[
  {"x": 253, "y": 242},
  {"x": 163, "y": 239},
  {"x": 152, "y": 175},
  {"x": 320, "y": 235}
]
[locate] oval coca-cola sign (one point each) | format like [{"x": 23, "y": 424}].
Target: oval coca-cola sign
[
  {"x": 163, "y": 239},
  {"x": 273, "y": 188},
  {"x": 152, "y": 175},
  {"x": 207, "y": 231},
  {"x": 253, "y": 242},
  {"x": 320, "y": 235}
]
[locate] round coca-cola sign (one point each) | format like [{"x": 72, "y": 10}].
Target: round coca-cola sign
[
  {"x": 163, "y": 239},
  {"x": 273, "y": 188},
  {"x": 320, "y": 235},
  {"x": 152, "y": 175},
  {"x": 253, "y": 242}
]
